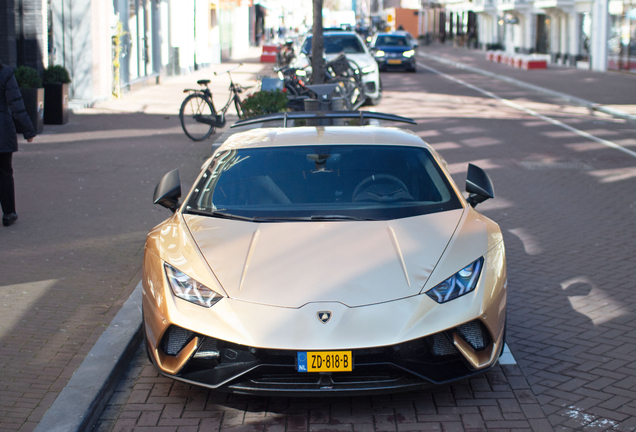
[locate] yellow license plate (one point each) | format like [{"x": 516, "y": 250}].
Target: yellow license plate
[
  {"x": 395, "y": 61},
  {"x": 324, "y": 361}
]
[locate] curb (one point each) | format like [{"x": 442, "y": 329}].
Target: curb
[
  {"x": 82, "y": 401},
  {"x": 572, "y": 99},
  {"x": 80, "y": 404}
]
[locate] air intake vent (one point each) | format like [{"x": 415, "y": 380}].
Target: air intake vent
[
  {"x": 175, "y": 339},
  {"x": 208, "y": 349},
  {"x": 474, "y": 334},
  {"x": 442, "y": 346}
]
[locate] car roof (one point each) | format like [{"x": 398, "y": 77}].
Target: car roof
[
  {"x": 337, "y": 33},
  {"x": 322, "y": 135},
  {"x": 391, "y": 34}
]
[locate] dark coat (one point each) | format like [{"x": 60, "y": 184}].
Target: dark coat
[{"x": 12, "y": 105}]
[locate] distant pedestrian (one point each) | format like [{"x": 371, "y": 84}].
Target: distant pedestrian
[{"x": 11, "y": 110}]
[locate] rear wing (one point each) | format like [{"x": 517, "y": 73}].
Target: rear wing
[{"x": 306, "y": 115}]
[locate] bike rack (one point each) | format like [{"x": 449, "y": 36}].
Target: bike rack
[{"x": 300, "y": 115}]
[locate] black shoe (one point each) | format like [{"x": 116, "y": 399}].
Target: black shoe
[{"x": 8, "y": 219}]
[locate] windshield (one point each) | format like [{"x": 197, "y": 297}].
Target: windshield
[
  {"x": 334, "y": 44},
  {"x": 330, "y": 182},
  {"x": 394, "y": 41}
]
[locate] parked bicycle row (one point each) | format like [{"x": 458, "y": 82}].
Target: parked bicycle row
[{"x": 350, "y": 65}]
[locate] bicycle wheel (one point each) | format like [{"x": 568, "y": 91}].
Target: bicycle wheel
[
  {"x": 350, "y": 90},
  {"x": 197, "y": 117}
]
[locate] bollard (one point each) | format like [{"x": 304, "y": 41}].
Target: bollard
[
  {"x": 338, "y": 104},
  {"x": 312, "y": 105}
]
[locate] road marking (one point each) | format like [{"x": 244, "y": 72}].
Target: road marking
[
  {"x": 506, "y": 357},
  {"x": 532, "y": 112}
]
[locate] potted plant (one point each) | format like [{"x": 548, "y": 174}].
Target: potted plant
[
  {"x": 56, "y": 80},
  {"x": 33, "y": 95},
  {"x": 264, "y": 102}
]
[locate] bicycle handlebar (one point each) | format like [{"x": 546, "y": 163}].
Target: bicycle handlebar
[{"x": 229, "y": 70}]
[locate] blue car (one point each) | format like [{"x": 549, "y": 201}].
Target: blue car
[{"x": 393, "y": 52}]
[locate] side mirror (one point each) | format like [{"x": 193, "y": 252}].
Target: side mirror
[
  {"x": 478, "y": 185},
  {"x": 168, "y": 191}
]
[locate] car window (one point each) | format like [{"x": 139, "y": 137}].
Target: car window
[
  {"x": 371, "y": 182},
  {"x": 334, "y": 44},
  {"x": 396, "y": 41}
]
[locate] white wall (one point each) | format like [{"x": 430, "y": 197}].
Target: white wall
[{"x": 240, "y": 32}]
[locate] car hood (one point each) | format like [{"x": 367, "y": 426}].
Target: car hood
[
  {"x": 295, "y": 263},
  {"x": 393, "y": 49},
  {"x": 362, "y": 59}
]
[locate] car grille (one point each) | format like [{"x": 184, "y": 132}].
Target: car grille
[{"x": 249, "y": 369}]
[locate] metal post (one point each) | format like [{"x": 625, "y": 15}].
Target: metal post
[
  {"x": 22, "y": 41},
  {"x": 317, "y": 46},
  {"x": 195, "y": 36}
]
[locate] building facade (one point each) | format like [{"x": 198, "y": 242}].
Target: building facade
[
  {"x": 590, "y": 34},
  {"x": 113, "y": 45}
]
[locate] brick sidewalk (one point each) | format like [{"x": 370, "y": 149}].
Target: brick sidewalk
[
  {"x": 499, "y": 400},
  {"x": 84, "y": 194}
]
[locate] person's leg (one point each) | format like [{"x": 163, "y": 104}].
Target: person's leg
[{"x": 7, "y": 189}]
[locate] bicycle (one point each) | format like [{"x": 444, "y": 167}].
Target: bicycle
[{"x": 199, "y": 118}]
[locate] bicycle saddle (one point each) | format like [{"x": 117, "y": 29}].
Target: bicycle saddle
[{"x": 203, "y": 82}]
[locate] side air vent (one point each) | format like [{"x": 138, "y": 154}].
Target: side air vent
[
  {"x": 175, "y": 339},
  {"x": 474, "y": 334},
  {"x": 442, "y": 346}
]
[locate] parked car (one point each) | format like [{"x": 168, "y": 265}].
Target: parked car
[
  {"x": 349, "y": 42},
  {"x": 393, "y": 52},
  {"x": 324, "y": 260},
  {"x": 408, "y": 35}
]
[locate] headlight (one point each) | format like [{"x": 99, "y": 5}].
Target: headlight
[
  {"x": 379, "y": 53},
  {"x": 409, "y": 53},
  {"x": 368, "y": 69},
  {"x": 188, "y": 289},
  {"x": 281, "y": 76},
  {"x": 301, "y": 72},
  {"x": 462, "y": 282}
]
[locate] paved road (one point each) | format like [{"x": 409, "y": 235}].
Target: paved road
[
  {"x": 84, "y": 194},
  {"x": 566, "y": 205}
]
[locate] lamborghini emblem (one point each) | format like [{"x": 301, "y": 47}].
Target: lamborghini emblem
[{"x": 324, "y": 316}]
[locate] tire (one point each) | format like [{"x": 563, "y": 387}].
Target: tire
[{"x": 197, "y": 105}]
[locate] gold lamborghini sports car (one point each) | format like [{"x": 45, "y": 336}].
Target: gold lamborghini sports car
[{"x": 324, "y": 260}]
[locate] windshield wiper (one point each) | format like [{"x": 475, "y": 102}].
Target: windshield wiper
[
  {"x": 223, "y": 215},
  {"x": 339, "y": 217},
  {"x": 219, "y": 214}
]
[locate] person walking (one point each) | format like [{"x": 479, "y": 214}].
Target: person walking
[{"x": 12, "y": 112}]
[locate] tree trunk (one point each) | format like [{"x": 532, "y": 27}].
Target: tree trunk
[{"x": 317, "y": 46}]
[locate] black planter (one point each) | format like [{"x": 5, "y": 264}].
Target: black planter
[
  {"x": 34, "y": 104},
  {"x": 55, "y": 103}
]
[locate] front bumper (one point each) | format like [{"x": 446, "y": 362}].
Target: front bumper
[
  {"x": 407, "y": 366},
  {"x": 371, "y": 83},
  {"x": 385, "y": 63}
]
